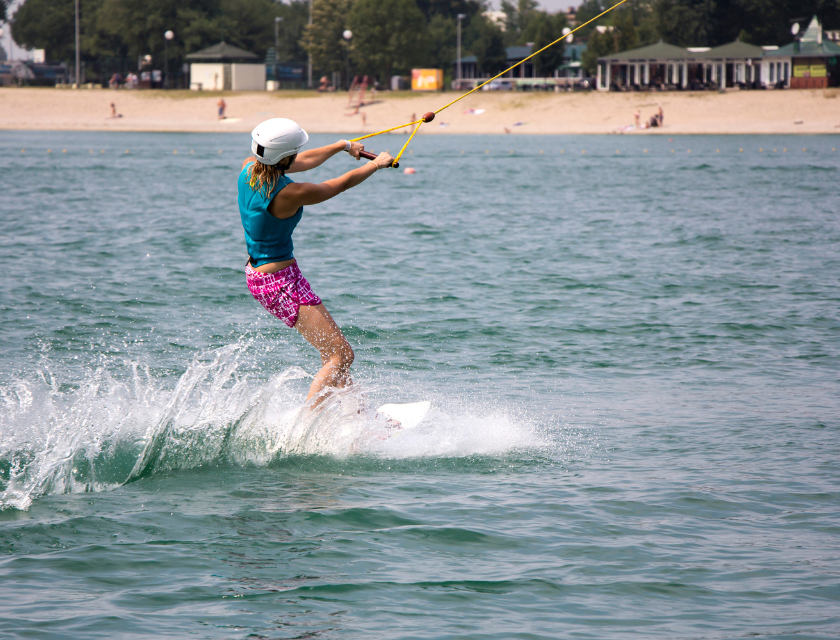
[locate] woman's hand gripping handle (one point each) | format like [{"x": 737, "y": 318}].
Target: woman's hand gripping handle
[{"x": 382, "y": 160}]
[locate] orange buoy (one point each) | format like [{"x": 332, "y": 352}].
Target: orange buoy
[{"x": 409, "y": 170}]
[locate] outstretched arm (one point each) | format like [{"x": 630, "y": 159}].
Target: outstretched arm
[
  {"x": 312, "y": 158},
  {"x": 298, "y": 194}
]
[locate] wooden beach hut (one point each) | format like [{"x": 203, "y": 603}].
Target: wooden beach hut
[
  {"x": 813, "y": 58},
  {"x": 224, "y": 67}
]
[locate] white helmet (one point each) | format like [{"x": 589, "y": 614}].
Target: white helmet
[{"x": 276, "y": 139}]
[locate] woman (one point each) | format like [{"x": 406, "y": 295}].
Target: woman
[{"x": 271, "y": 205}]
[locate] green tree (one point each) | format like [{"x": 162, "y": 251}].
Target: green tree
[
  {"x": 323, "y": 38},
  {"x": 249, "y": 24},
  {"x": 199, "y": 29},
  {"x": 127, "y": 28},
  {"x": 625, "y": 27},
  {"x": 683, "y": 22},
  {"x": 599, "y": 45},
  {"x": 295, "y": 19},
  {"x": 48, "y": 25},
  {"x": 486, "y": 42},
  {"x": 388, "y": 37},
  {"x": 134, "y": 28},
  {"x": 587, "y": 10},
  {"x": 766, "y": 21},
  {"x": 547, "y": 29},
  {"x": 441, "y": 42},
  {"x": 520, "y": 21},
  {"x": 449, "y": 8},
  {"x": 511, "y": 22}
]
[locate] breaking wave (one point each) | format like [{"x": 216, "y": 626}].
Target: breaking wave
[{"x": 111, "y": 428}]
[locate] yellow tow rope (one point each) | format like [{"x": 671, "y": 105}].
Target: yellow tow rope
[{"x": 428, "y": 117}]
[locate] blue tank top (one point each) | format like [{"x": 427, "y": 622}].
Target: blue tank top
[{"x": 268, "y": 239}]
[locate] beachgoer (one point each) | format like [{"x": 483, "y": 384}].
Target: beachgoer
[
  {"x": 113, "y": 110},
  {"x": 271, "y": 205},
  {"x": 661, "y": 117},
  {"x": 364, "y": 119},
  {"x": 221, "y": 104},
  {"x": 638, "y": 116}
]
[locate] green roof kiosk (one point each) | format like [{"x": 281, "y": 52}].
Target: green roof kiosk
[{"x": 814, "y": 58}]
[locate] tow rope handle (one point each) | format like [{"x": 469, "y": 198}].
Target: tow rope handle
[
  {"x": 372, "y": 156},
  {"x": 427, "y": 117}
]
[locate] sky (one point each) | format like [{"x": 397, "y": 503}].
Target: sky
[{"x": 6, "y": 40}]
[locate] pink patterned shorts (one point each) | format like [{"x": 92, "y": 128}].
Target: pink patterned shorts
[{"x": 281, "y": 293}]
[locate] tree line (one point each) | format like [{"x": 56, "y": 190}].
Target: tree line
[
  {"x": 394, "y": 36},
  {"x": 389, "y": 36},
  {"x": 697, "y": 23}
]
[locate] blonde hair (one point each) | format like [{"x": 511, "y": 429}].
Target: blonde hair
[{"x": 263, "y": 177}]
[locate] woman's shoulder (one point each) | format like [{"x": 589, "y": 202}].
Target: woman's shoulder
[{"x": 249, "y": 160}]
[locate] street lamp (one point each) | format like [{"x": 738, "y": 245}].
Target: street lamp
[
  {"x": 78, "y": 55},
  {"x": 166, "y": 38},
  {"x": 309, "y": 64},
  {"x": 277, "y": 21},
  {"x": 461, "y": 16},
  {"x": 348, "y": 35}
]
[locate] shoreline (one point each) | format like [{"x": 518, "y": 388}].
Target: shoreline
[{"x": 811, "y": 112}]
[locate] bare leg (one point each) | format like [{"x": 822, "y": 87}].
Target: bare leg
[{"x": 317, "y": 326}]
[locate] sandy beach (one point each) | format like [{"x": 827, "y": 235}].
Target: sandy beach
[{"x": 734, "y": 112}]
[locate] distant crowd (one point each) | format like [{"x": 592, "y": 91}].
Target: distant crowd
[{"x": 131, "y": 81}]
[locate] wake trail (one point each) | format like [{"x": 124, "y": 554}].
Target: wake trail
[{"x": 109, "y": 430}]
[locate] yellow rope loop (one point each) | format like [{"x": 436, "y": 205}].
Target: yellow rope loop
[
  {"x": 477, "y": 87},
  {"x": 402, "y": 126},
  {"x": 397, "y": 159}
]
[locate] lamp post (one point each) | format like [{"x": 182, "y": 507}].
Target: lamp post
[
  {"x": 461, "y": 16},
  {"x": 78, "y": 55},
  {"x": 166, "y": 38},
  {"x": 309, "y": 64},
  {"x": 277, "y": 21},
  {"x": 348, "y": 35}
]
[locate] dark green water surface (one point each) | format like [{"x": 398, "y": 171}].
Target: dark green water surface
[{"x": 631, "y": 346}]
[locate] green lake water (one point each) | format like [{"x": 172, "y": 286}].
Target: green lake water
[{"x": 631, "y": 345}]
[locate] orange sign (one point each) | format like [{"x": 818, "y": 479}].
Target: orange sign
[{"x": 426, "y": 80}]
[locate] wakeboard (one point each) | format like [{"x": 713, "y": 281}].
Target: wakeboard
[{"x": 408, "y": 415}]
